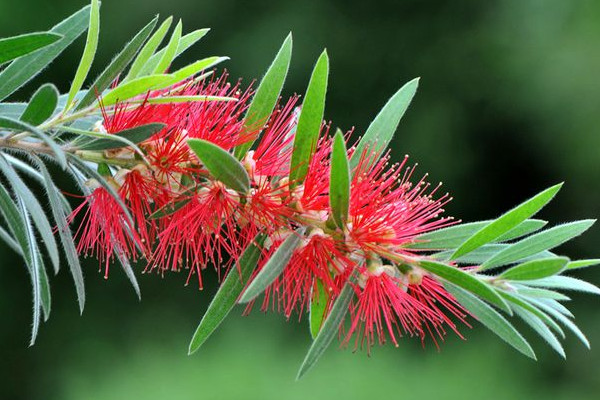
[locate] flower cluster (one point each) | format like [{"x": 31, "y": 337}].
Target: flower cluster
[{"x": 180, "y": 217}]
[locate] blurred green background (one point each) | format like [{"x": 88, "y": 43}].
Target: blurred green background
[{"x": 509, "y": 103}]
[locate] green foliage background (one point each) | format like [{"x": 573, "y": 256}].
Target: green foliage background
[{"x": 507, "y": 105}]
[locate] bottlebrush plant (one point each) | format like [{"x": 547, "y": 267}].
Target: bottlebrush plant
[{"x": 181, "y": 169}]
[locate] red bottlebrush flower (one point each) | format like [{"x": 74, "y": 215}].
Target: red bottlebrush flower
[
  {"x": 389, "y": 305},
  {"x": 219, "y": 122},
  {"x": 105, "y": 229},
  {"x": 274, "y": 151},
  {"x": 169, "y": 158},
  {"x": 387, "y": 210},
  {"x": 143, "y": 194},
  {"x": 129, "y": 115},
  {"x": 200, "y": 232},
  {"x": 314, "y": 194},
  {"x": 320, "y": 258}
]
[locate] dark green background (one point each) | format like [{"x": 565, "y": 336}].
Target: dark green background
[{"x": 509, "y": 104}]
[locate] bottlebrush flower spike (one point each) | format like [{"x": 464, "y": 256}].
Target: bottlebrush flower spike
[
  {"x": 370, "y": 241},
  {"x": 105, "y": 229},
  {"x": 219, "y": 122},
  {"x": 387, "y": 210},
  {"x": 387, "y": 307}
]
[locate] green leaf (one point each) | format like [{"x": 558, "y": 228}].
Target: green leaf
[
  {"x": 541, "y": 293},
  {"x": 537, "y": 325},
  {"x": 148, "y": 49},
  {"x": 583, "y": 263},
  {"x": 25, "y": 68},
  {"x": 10, "y": 241},
  {"x": 185, "y": 42},
  {"x": 64, "y": 233},
  {"x": 566, "y": 322},
  {"x": 452, "y": 236},
  {"x": 42, "y": 105},
  {"x": 381, "y": 131},
  {"x": 339, "y": 182},
  {"x": 15, "y": 222},
  {"x": 485, "y": 252},
  {"x": 196, "y": 67},
  {"x": 169, "y": 53},
  {"x": 126, "y": 266},
  {"x": 221, "y": 164},
  {"x": 535, "y": 269},
  {"x": 122, "y": 138},
  {"x": 13, "y": 124},
  {"x": 17, "y": 46},
  {"x": 117, "y": 65},
  {"x": 491, "y": 319},
  {"x": 466, "y": 281},
  {"x": 267, "y": 94},
  {"x": 274, "y": 266},
  {"x": 32, "y": 260},
  {"x": 12, "y": 110},
  {"x": 310, "y": 120},
  {"x": 44, "y": 284},
  {"x": 524, "y": 228},
  {"x": 508, "y": 221},
  {"x": 565, "y": 283},
  {"x": 519, "y": 301},
  {"x": 34, "y": 208},
  {"x": 183, "y": 99},
  {"x": 228, "y": 293},
  {"x": 329, "y": 329},
  {"x": 318, "y": 308},
  {"x": 544, "y": 240},
  {"x": 136, "y": 87},
  {"x": 91, "y": 45}
]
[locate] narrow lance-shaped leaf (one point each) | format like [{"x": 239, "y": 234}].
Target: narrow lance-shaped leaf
[
  {"x": 583, "y": 263},
  {"x": 570, "y": 325},
  {"x": 339, "y": 182},
  {"x": 148, "y": 49},
  {"x": 228, "y": 293},
  {"x": 544, "y": 240},
  {"x": 91, "y": 44},
  {"x": 14, "y": 220},
  {"x": 466, "y": 281},
  {"x": 25, "y": 68},
  {"x": 221, "y": 164},
  {"x": 491, "y": 319},
  {"x": 117, "y": 65},
  {"x": 268, "y": 92},
  {"x": 127, "y": 137},
  {"x": 274, "y": 266},
  {"x": 318, "y": 308},
  {"x": 536, "y": 324},
  {"x": 565, "y": 283},
  {"x": 170, "y": 50},
  {"x": 136, "y": 87},
  {"x": 453, "y": 236},
  {"x": 42, "y": 105},
  {"x": 185, "y": 42},
  {"x": 13, "y": 124},
  {"x": 194, "y": 68},
  {"x": 380, "y": 132},
  {"x": 32, "y": 261},
  {"x": 64, "y": 233},
  {"x": 329, "y": 330},
  {"x": 507, "y": 221},
  {"x": 310, "y": 120},
  {"x": 17, "y": 46},
  {"x": 34, "y": 209},
  {"x": 535, "y": 269}
]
